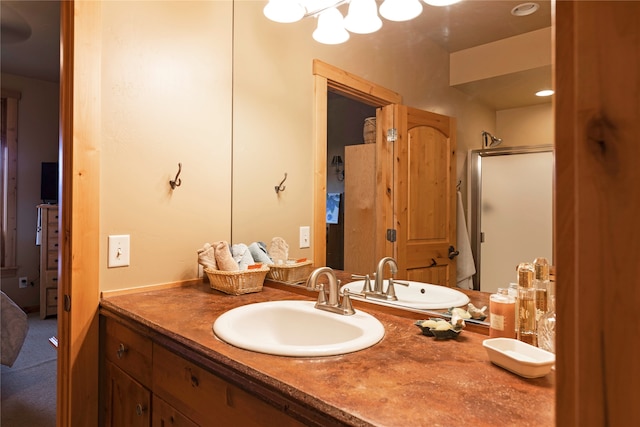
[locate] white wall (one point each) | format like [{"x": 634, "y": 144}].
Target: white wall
[{"x": 37, "y": 142}]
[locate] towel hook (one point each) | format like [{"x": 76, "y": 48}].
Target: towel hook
[
  {"x": 176, "y": 181},
  {"x": 281, "y": 187}
]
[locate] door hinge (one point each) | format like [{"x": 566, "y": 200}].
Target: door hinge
[
  {"x": 391, "y": 235},
  {"x": 392, "y": 135},
  {"x": 67, "y": 303}
]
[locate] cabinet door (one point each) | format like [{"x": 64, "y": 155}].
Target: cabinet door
[
  {"x": 128, "y": 403},
  {"x": 164, "y": 415}
]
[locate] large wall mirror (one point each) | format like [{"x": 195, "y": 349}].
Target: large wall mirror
[{"x": 273, "y": 96}]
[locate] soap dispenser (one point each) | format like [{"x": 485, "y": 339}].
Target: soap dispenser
[{"x": 526, "y": 304}]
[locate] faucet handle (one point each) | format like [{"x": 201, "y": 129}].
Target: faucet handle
[
  {"x": 367, "y": 282},
  {"x": 347, "y": 307},
  {"x": 391, "y": 289}
]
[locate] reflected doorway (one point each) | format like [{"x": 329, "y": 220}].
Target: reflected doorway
[{"x": 345, "y": 127}]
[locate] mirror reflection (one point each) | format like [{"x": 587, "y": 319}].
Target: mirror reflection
[{"x": 473, "y": 61}]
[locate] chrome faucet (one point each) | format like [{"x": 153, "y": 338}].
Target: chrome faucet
[
  {"x": 333, "y": 303},
  {"x": 378, "y": 289}
]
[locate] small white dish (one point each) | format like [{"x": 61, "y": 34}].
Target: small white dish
[{"x": 519, "y": 357}]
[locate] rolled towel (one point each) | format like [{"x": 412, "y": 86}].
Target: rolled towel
[
  {"x": 259, "y": 253},
  {"x": 279, "y": 250},
  {"x": 224, "y": 260},
  {"x": 206, "y": 257},
  {"x": 241, "y": 255}
]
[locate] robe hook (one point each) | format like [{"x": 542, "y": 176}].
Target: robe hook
[
  {"x": 176, "y": 181},
  {"x": 281, "y": 187}
]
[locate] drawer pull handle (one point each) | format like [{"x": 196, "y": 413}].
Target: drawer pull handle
[
  {"x": 194, "y": 381},
  {"x": 122, "y": 350},
  {"x": 140, "y": 409},
  {"x": 55, "y": 279}
]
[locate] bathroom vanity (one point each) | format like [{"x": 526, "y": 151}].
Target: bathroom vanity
[{"x": 162, "y": 365}]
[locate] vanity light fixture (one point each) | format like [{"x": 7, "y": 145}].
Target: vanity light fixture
[
  {"x": 336, "y": 162},
  {"x": 546, "y": 92},
  {"x": 362, "y": 16}
]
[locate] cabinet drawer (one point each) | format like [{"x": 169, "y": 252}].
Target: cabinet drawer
[
  {"x": 52, "y": 297},
  {"x": 206, "y": 398},
  {"x": 128, "y": 350},
  {"x": 50, "y": 279},
  {"x": 166, "y": 416}
]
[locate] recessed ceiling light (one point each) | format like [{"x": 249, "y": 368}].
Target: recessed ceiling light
[
  {"x": 546, "y": 92},
  {"x": 525, "y": 9}
]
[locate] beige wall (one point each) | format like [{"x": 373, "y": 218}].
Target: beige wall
[
  {"x": 37, "y": 143},
  {"x": 166, "y": 98},
  {"x": 525, "y": 126},
  {"x": 168, "y": 76}
]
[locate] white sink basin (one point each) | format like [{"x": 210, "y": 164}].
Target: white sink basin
[
  {"x": 418, "y": 295},
  {"x": 296, "y": 328}
]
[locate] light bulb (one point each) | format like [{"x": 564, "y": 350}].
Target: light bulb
[
  {"x": 400, "y": 10},
  {"x": 441, "y": 2},
  {"x": 284, "y": 11},
  {"x": 330, "y": 28},
  {"x": 362, "y": 17}
]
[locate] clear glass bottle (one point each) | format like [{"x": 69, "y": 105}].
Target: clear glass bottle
[
  {"x": 526, "y": 304},
  {"x": 502, "y": 314},
  {"x": 547, "y": 327}
]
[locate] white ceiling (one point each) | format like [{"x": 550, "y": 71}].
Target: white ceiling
[{"x": 460, "y": 26}]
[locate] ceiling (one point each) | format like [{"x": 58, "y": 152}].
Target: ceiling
[{"x": 30, "y": 41}]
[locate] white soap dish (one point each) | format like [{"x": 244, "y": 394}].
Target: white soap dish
[{"x": 519, "y": 357}]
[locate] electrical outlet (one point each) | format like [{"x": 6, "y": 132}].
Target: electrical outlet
[
  {"x": 23, "y": 282},
  {"x": 305, "y": 239},
  {"x": 119, "y": 251}
]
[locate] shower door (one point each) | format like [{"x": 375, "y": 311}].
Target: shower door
[{"x": 511, "y": 211}]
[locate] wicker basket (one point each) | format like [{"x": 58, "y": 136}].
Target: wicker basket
[
  {"x": 237, "y": 282},
  {"x": 290, "y": 273}
]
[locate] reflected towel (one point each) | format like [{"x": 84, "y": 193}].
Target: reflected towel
[
  {"x": 279, "y": 250},
  {"x": 466, "y": 267},
  {"x": 259, "y": 253},
  {"x": 241, "y": 255}
]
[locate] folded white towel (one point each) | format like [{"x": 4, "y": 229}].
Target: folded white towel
[
  {"x": 465, "y": 267},
  {"x": 259, "y": 253},
  {"x": 241, "y": 255},
  {"x": 206, "y": 256},
  {"x": 224, "y": 260}
]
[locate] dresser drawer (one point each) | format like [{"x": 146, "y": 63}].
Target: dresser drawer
[
  {"x": 208, "y": 399},
  {"x": 52, "y": 216},
  {"x": 52, "y": 260},
  {"x": 52, "y": 243},
  {"x": 128, "y": 350},
  {"x": 50, "y": 279},
  {"x": 52, "y": 297}
]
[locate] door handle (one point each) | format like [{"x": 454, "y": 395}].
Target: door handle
[{"x": 453, "y": 253}]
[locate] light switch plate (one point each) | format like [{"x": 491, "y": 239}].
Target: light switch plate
[
  {"x": 119, "y": 251},
  {"x": 305, "y": 239}
]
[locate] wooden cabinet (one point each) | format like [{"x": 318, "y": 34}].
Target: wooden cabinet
[
  {"x": 49, "y": 256},
  {"x": 146, "y": 384}
]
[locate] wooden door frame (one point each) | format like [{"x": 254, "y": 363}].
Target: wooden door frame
[
  {"x": 330, "y": 78},
  {"x": 78, "y": 287}
]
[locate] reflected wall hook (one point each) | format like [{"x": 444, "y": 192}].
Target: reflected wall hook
[
  {"x": 176, "y": 181},
  {"x": 281, "y": 187}
]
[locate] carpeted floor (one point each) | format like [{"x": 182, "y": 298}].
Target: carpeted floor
[{"x": 29, "y": 387}]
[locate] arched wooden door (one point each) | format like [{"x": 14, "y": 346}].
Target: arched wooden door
[{"x": 424, "y": 193}]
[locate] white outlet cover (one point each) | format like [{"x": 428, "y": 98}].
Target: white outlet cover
[{"x": 119, "y": 251}]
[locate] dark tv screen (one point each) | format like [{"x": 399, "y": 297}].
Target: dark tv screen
[{"x": 49, "y": 182}]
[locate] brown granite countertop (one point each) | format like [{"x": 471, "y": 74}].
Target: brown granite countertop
[{"x": 406, "y": 379}]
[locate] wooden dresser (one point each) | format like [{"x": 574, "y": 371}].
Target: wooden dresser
[{"x": 49, "y": 255}]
